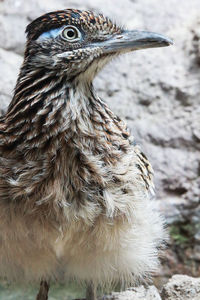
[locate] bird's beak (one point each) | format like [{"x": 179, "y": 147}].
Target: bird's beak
[{"x": 134, "y": 40}]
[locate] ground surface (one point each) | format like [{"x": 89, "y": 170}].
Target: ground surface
[{"x": 57, "y": 292}]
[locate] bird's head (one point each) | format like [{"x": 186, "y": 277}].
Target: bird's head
[{"x": 81, "y": 43}]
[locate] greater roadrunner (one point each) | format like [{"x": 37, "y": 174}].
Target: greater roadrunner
[{"x": 75, "y": 190}]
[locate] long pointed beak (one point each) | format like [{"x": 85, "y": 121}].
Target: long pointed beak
[{"x": 134, "y": 40}]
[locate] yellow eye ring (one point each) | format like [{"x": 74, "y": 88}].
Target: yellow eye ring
[{"x": 71, "y": 34}]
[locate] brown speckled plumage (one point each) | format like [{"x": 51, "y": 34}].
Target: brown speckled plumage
[
  {"x": 74, "y": 187},
  {"x": 86, "y": 19}
]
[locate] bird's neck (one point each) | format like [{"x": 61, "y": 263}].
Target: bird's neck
[
  {"x": 57, "y": 139},
  {"x": 48, "y": 109}
]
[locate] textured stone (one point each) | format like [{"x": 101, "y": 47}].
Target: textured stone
[
  {"x": 181, "y": 287},
  {"x": 9, "y": 66},
  {"x": 138, "y": 293}
]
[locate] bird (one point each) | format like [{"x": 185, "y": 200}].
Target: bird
[{"x": 76, "y": 190}]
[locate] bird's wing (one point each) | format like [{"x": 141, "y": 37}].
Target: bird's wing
[
  {"x": 146, "y": 170},
  {"x": 143, "y": 164}
]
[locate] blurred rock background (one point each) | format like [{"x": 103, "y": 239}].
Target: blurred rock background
[{"x": 156, "y": 90}]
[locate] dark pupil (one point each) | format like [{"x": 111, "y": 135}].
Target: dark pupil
[{"x": 70, "y": 33}]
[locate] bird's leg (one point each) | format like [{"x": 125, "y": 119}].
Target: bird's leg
[
  {"x": 91, "y": 292},
  {"x": 43, "y": 292}
]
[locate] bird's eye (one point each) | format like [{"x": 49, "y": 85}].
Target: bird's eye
[{"x": 71, "y": 34}]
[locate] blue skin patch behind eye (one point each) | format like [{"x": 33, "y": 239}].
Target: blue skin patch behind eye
[{"x": 53, "y": 33}]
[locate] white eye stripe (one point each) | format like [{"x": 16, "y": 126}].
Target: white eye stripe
[{"x": 53, "y": 33}]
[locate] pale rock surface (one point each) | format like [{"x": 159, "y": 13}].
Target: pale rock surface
[
  {"x": 179, "y": 287},
  {"x": 9, "y": 66},
  {"x": 182, "y": 287},
  {"x": 138, "y": 293}
]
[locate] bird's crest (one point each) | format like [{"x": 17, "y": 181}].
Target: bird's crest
[{"x": 61, "y": 18}]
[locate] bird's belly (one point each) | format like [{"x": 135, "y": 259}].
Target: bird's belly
[
  {"x": 107, "y": 249},
  {"x": 95, "y": 252},
  {"x": 110, "y": 250}
]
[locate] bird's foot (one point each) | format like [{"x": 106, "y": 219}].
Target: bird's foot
[
  {"x": 91, "y": 292},
  {"x": 43, "y": 292}
]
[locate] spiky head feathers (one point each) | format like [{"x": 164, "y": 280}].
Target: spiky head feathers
[{"x": 86, "y": 20}]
